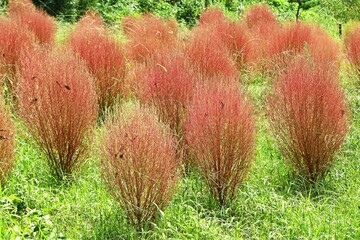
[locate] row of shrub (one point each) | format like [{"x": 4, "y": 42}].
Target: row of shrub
[{"x": 190, "y": 106}]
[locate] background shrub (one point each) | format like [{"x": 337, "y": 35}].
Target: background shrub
[
  {"x": 352, "y": 44},
  {"x": 149, "y": 34},
  {"x": 220, "y": 130},
  {"x": 7, "y": 142},
  {"x": 166, "y": 83},
  {"x": 103, "y": 55},
  {"x": 309, "y": 118},
  {"x": 58, "y": 105},
  {"x": 35, "y": 20},
  {"x": 13, "y": 39},
  {"x": 139, "y": 163}
]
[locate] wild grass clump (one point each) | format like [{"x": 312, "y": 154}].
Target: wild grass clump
[
  {"x": 309, "y": 118},
  {"x": 103, "y": 55},
  {"x": 352, "y": 44},
  {"x": 7, "y": 142},
  {"x": 149, "y": 34},
  {"x": 58, "y": 105},
  {"x": 220, "y": 131},
  {"x": 139, "y": 163},
  {"x": 35, "y": 20}
]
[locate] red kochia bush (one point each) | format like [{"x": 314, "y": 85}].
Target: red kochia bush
[
  {"x": 58, "y": 105},
  {"x": 352, "y": 44},
  {"x": 139, "y": 163},
  {"x": 35, "y": 20},
  {"x": 307, "y": 40},
  {"x": 230, "y": 36},
  {"x": 260, "y": 19},
  {"x": 208, "y": 55},
  {"x": 167, "y": 84},
  {"x": 13, "y": 39},
  {"x": 220, "y": 130},
  {"x": 149, "y": 34},
  {"x": 261, "y": 24},
  {"x": 103, "y": 55},
  {"x": 309, "y": 118},
  {"x": 7, "y": 143},
  {"x": 291, "y": 38},
  {"x": 212, "y": 15}
]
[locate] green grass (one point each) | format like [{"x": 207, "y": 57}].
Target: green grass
[{"x": 271, "y": 204}]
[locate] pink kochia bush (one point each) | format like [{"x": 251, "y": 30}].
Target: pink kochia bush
[
  {"x": 35, "y": 20},
  {"x": 220, "y": 130},
  {"x": 352, "y": 44},
  {"x": 7, "y": 143},
  {"x": 166, "y": 83},
  {"x": 309, "y": 118},
  {"x": 149, "y": 34},
  {"x": 13, "y": 39},
  {"x": 103, "y": 56},
  {"x": 306, "y": 40},
  {"x": 139, "y": 163},
  {"x": 229, "y": 36},
  {"x": 58, "y": 105}
]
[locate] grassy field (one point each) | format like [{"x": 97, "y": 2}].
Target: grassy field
[{"x": 270, "y": 205}]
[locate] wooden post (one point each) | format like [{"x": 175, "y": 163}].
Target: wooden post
[
  {"x": 340, "y": 30},
  {"x": 207, "y": 3}
]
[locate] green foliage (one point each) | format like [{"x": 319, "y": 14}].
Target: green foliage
[
  {"x": 69, "y": 10},
  {"x": 344, "y": 11},
  {"x": 188, "y": 11},
  {"x": 304, "y": 5}
]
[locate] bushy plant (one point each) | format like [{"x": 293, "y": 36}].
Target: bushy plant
[
  {"x": 13, "y": 39},
  {"x": 212, "y": 15},
  {"x": 259, "y": 18},
  {"x": 58, "y": 105},
  {"x": 261, "y": 24},
  {"x": 289, "y": 41},
  {"x": 7, "y": 142},
  {"x": 166, "y": 83},
  {"x": 37, "y": 21},
  {"x": 208, "y": 55},
  {"x": 139, "y": 163},
  {"x": 309, "y": 118},
  {"x": 149, "y": 34},
  {"x": 103, "y": 55},
  {"x": 352, "y": 44},
  {"x": 220, "y": 130},
  {"x": 303, "y": 39}
]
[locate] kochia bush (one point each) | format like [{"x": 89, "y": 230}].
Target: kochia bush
[
  {"x": 139, "y": 163},
  {"x": 352, "y": 44},
  {"x": 103, "y": 56},
  {"x": 309, "y": 118},
  {"x": 58, "y": 105},
  {"x": 220, "y": 130},
  {"x": 166, "y": 83},
  {"x": 149, "y": 34},
  {"x": 35, "y": 20},
  {"x": 7, "y": 142},
  {"x": 13, "y": 39}
]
